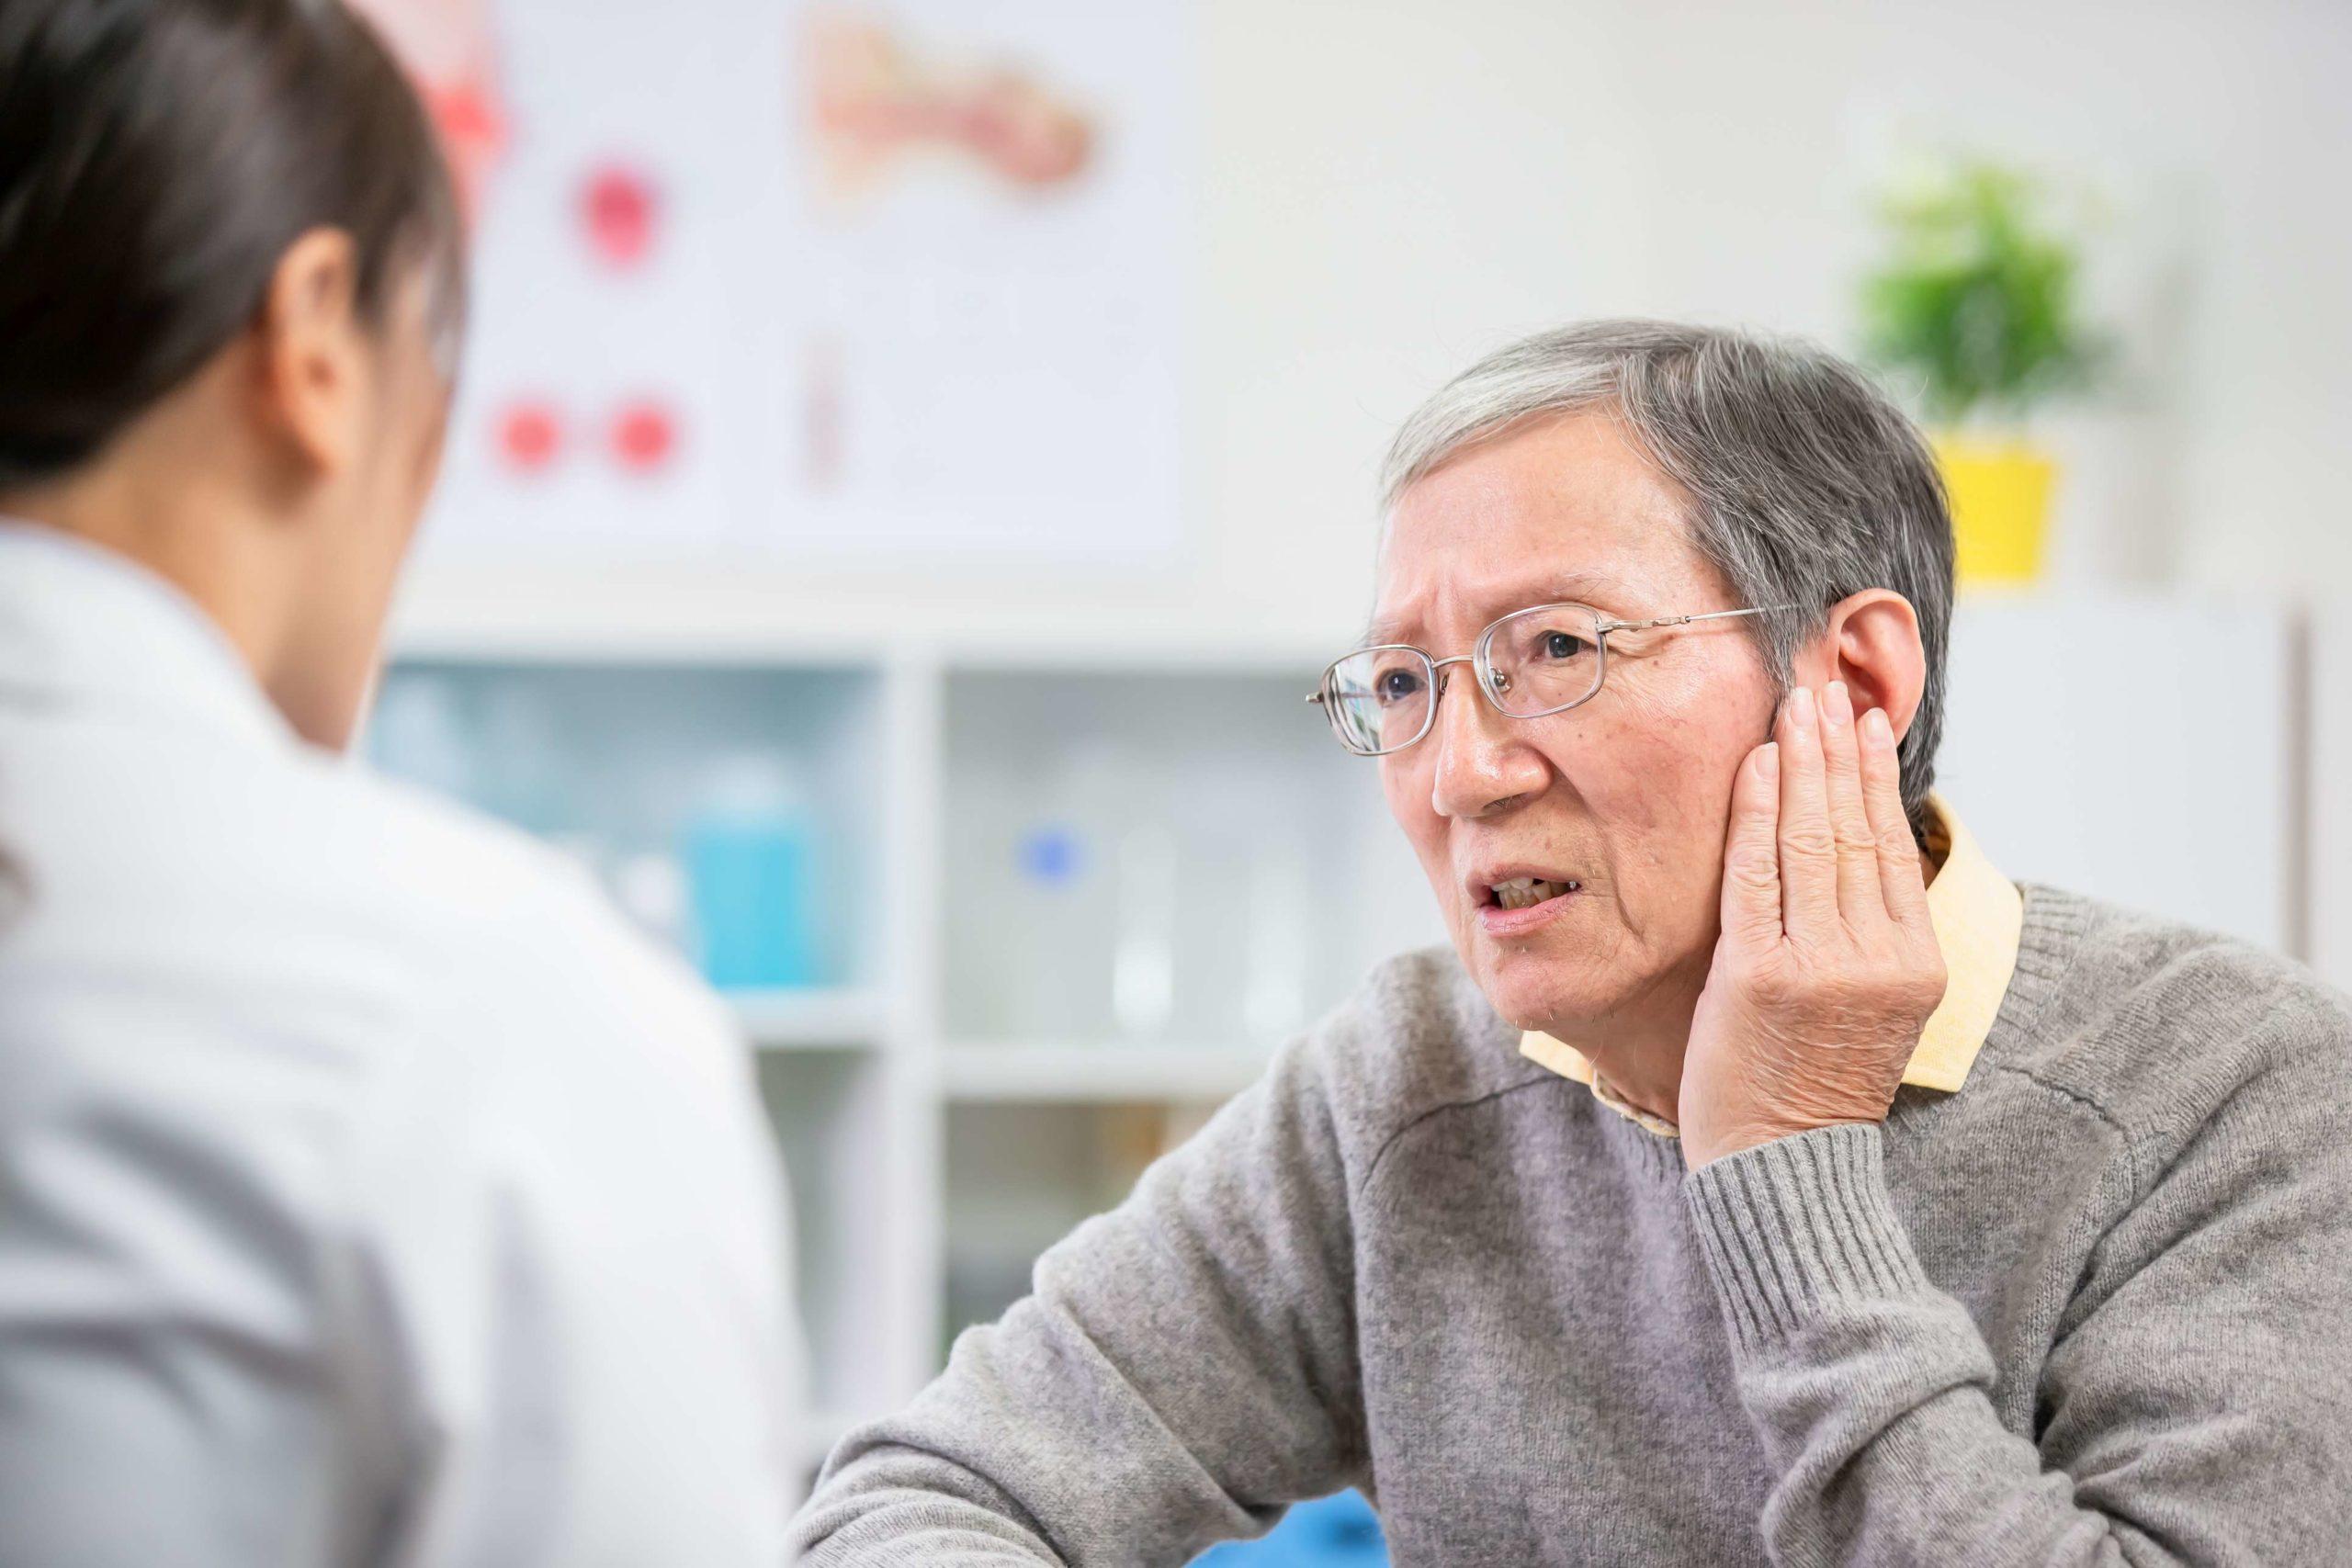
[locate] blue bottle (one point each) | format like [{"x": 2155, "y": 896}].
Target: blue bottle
[{"x": 751, "y": 853}]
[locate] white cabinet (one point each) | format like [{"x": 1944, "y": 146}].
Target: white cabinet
[{"x": 2139, "y": 751}]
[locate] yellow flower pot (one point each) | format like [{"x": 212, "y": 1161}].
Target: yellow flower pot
[{"x": 2000, "y": 506}]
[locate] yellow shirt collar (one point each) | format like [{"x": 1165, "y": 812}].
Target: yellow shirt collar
[{"x": 1978, "y": 918}]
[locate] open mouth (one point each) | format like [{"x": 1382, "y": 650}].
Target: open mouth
[{"x": 1526, "y": 892}]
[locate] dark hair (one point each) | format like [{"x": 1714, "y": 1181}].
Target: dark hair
[{"x": 157, "y": 157}]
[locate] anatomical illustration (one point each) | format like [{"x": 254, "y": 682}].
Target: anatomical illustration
[{"x": 876, "y": 104}]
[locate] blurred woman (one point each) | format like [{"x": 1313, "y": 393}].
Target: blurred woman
[{"x": 367, "y": 1194}]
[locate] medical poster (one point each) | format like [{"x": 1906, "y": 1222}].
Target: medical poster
[{"x": 881, "y": 283}]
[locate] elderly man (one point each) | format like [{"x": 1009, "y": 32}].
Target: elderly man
[{"x": 1762, "y": 1176}]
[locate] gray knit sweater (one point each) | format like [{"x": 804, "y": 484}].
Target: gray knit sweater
[{"x": 2094, "y": 1307}]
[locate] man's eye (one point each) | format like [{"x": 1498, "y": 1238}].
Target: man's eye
[
  {"x": 1560, "y": 645},
  {"x": 1396, "y": 686}
]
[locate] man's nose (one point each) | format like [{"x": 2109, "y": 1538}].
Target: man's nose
[{"x": 1483, "y": 763}]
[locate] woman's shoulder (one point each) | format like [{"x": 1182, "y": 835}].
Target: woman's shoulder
[
  {"x": 390, "y": 928},
  {"x": 488, "y": 913}
]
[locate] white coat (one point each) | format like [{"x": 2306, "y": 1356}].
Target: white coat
[{"x": 368, "y": 1192}]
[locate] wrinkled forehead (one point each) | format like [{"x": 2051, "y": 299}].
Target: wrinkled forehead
[{"x": 1567, "y": 508}]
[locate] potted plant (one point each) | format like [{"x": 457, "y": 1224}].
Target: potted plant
[{"x": 1976, "y": 302}]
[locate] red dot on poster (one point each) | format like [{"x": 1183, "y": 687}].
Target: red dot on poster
[
  {"x": 529, "y": 435},
  {"x": 644, "y": 435},
  {"x": 617, "y": 207}
]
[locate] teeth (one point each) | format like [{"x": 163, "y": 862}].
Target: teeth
[{"x": 1524, "y": 892}]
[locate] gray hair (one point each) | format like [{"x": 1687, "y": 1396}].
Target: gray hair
[{"x": 1805, "y": 483}]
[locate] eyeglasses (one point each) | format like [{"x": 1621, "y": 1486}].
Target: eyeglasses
[{"x": 1532, "y": 663}]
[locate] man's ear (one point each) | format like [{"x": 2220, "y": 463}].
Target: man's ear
[
  {"x": 312, "y": 355},
  {"x": 1872, "y": 642}
]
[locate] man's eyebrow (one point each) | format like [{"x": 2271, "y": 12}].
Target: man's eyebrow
[{"x": 1579, "y": 585}]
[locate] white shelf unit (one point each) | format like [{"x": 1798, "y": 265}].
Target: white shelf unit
[
  {"x": 910, "y": 1106},
  {"x": 1104, "y": 1073},
  {"x": 937, "y": 1139},
  {"x": 825, "y": 1018}
]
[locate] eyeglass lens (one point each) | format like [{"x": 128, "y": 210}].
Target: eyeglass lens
[{"x": 1536, "y": 661}]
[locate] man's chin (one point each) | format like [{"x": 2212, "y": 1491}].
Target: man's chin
[{"x": 1532, "y": 992}]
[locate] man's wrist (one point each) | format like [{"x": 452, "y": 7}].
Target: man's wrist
[
  {"x": 1792, "y": 1230},
  {"x": 1755, "y": 1134}
]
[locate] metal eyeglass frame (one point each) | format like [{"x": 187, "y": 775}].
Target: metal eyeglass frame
[{"x": 1478, "y": 659}]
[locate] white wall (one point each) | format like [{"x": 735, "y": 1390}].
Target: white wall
[
  {"x": 2327, "y": 755},
  {"x": 1389, "y": 187},
  {"x": 1398, "y": 186}
]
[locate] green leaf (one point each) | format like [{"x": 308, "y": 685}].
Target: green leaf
[{"x": 1976, "y": 294}]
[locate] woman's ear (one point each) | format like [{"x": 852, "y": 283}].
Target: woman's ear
[
  {"x": 1872, "y": 643},
  {"x": 312, "y": 358}
]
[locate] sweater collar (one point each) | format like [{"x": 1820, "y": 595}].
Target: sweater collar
[{"x": 1978, "y": 917}]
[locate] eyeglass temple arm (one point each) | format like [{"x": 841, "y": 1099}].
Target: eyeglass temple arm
[
  {"x": 1686, "y": 620},
  {"x": 1315, "y": 699}
]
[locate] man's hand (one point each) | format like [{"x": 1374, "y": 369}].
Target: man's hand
[{"x": 1827, "y": 967}]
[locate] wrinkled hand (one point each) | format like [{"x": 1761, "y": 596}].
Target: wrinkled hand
[{"x": 1826, "y": 969}]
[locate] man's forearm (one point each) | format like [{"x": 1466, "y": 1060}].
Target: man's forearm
[{"x": 889, "y": 1504}]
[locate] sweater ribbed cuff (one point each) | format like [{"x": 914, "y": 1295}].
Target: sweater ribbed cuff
[{"x": 1800, "y": 1228}]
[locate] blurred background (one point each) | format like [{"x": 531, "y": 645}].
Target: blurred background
[{"x": 914, "y": 457}]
